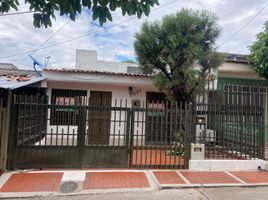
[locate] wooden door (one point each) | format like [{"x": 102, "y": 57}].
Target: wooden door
[{"x": 99, "y": 118}]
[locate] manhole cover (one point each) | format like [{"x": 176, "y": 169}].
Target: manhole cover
[{"x": 69, "y": 186}]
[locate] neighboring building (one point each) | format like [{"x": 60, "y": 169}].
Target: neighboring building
[
  {"x": 8, "y": 67},
  {"x": 236, "y": 70},
  {"x": 11, "y": 69},
  {"x": 13, "y": 82}
]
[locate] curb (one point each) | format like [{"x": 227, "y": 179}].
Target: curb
[
  {"x": 112, "y": 191},
  {"x": 9, "y": 195},
  {"x": 182, "y": 186}
]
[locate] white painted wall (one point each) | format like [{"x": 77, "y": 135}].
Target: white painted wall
[
  {"x": 118, "y": 93},
  {"x": 237, "y": 70},
  {"x": 226, "y": 165},
  {"x": 87, "y": 59}
]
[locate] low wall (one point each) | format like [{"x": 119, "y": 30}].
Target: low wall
[{"x": 227, "y": 165}]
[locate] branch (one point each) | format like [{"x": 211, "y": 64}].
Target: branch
[{"x": 197, "y": 83}]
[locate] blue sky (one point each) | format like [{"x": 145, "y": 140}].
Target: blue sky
[{"x": 115, "y": 42}]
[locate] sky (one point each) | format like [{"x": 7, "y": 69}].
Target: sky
[{"x": 114, "y": 41}]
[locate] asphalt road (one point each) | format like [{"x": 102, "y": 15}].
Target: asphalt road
[{"x": 233, "y": 193}]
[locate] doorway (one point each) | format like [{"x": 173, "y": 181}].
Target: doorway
[{"x": 99, "y": 118}]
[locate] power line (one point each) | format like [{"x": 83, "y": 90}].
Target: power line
[
  {"x": 17, "y": 13},
  {"x": 51, "y": 36},
  {"x": 243, "y": 27},
  {"x": 86, "y": 34}
]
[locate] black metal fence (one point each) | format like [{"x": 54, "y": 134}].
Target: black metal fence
[
  {"x": 94, "y": 136},
  {"x": 234, "y": 126},
  {"x": 160, "y": 137},
  {"x": 80, "y": 132}
]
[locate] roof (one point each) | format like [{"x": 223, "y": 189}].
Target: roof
[
  {"x": 14, "y": 84},
  {"x": 97, "y": 72},
  {"x": 16, "y": 79},
  {"x": 7, "y": 66},
  {"x": 237, "y": 58},
  {"x": 237, "y": 61}
]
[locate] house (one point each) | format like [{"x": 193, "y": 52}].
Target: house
[
  {"x": 99, "y": 83},
  {"x": 13, "y": 81},
  {"x": 237, "y": 71}
]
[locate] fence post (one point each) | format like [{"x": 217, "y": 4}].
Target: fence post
[
  {"x": 130, "y": 134},
  {"x": 127, "y": 142},
  {"x": 187, "y": 134},
  {"x": 81, "y": 131}
]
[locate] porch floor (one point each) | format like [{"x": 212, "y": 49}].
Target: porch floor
[{"x": 152, "y": 157}]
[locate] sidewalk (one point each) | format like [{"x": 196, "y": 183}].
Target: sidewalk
[{"x": 62, "y": 182}]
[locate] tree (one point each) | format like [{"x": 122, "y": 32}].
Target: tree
[
  {"x": 129, "y": 61},
  {"x": 172, "y": 49},
  {"x": 259, "y": 53},
  {"x": 44, "y": 10}
]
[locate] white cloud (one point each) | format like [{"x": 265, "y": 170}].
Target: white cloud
[{"x": 17, "y": 33}]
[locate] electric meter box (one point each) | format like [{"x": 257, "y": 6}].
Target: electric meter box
[{"x": 197, "y": 151}]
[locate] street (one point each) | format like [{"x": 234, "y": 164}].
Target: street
[{"x": 223, "y": 193}]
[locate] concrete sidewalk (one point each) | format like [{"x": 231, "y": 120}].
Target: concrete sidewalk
[{"x": 63, "y": 182}]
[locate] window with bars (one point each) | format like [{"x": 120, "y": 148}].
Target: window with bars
[{"x": 64, "y": 104}]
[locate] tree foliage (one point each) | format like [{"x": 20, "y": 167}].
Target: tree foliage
[
  {"x": 44, "y": 10},
  {"x": 259, "y": 53},
  {"x": 179, "y": 51}
]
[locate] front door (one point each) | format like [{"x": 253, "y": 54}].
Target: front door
[{"x": 99, "y": 118}]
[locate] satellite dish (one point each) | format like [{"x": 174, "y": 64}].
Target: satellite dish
[{"x": 39, "y": 64}]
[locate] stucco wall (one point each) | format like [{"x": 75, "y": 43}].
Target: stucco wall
[
  {"x": 237, "y": 70},
  {"x": 120, "y": 95},
  {"x": 87, "y": 59}
]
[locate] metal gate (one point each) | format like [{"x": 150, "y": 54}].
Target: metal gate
[
  {"x": 64, "y": 136},
  {"x": 160, "y": 135}
]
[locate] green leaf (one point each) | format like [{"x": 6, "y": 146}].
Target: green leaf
[
  {"x": 124, "y": 12},
  {"x": 13, "y": 5},
  {"x": 103, "y": 2},
  {"x": 108, "y": 15},
  {"x": 147, "y": 10},
  {"x": 112, "y": 5},
  {"x": 85, "y": 3},
  {"x": 102, "y": 18},
  {"x": 5, "y": 7},
  {"x": 71, "y": 13},
  {"x": 96, "y": 13},
  {"x": 139, "y": 13}
]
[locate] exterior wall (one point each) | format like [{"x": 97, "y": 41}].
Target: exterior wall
[
  {"x": 118, "y": 93},
  {"x": 87, "y": 59},
  {"x": 237, "y": 70},
  {"x": 235, "y": 73}
]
